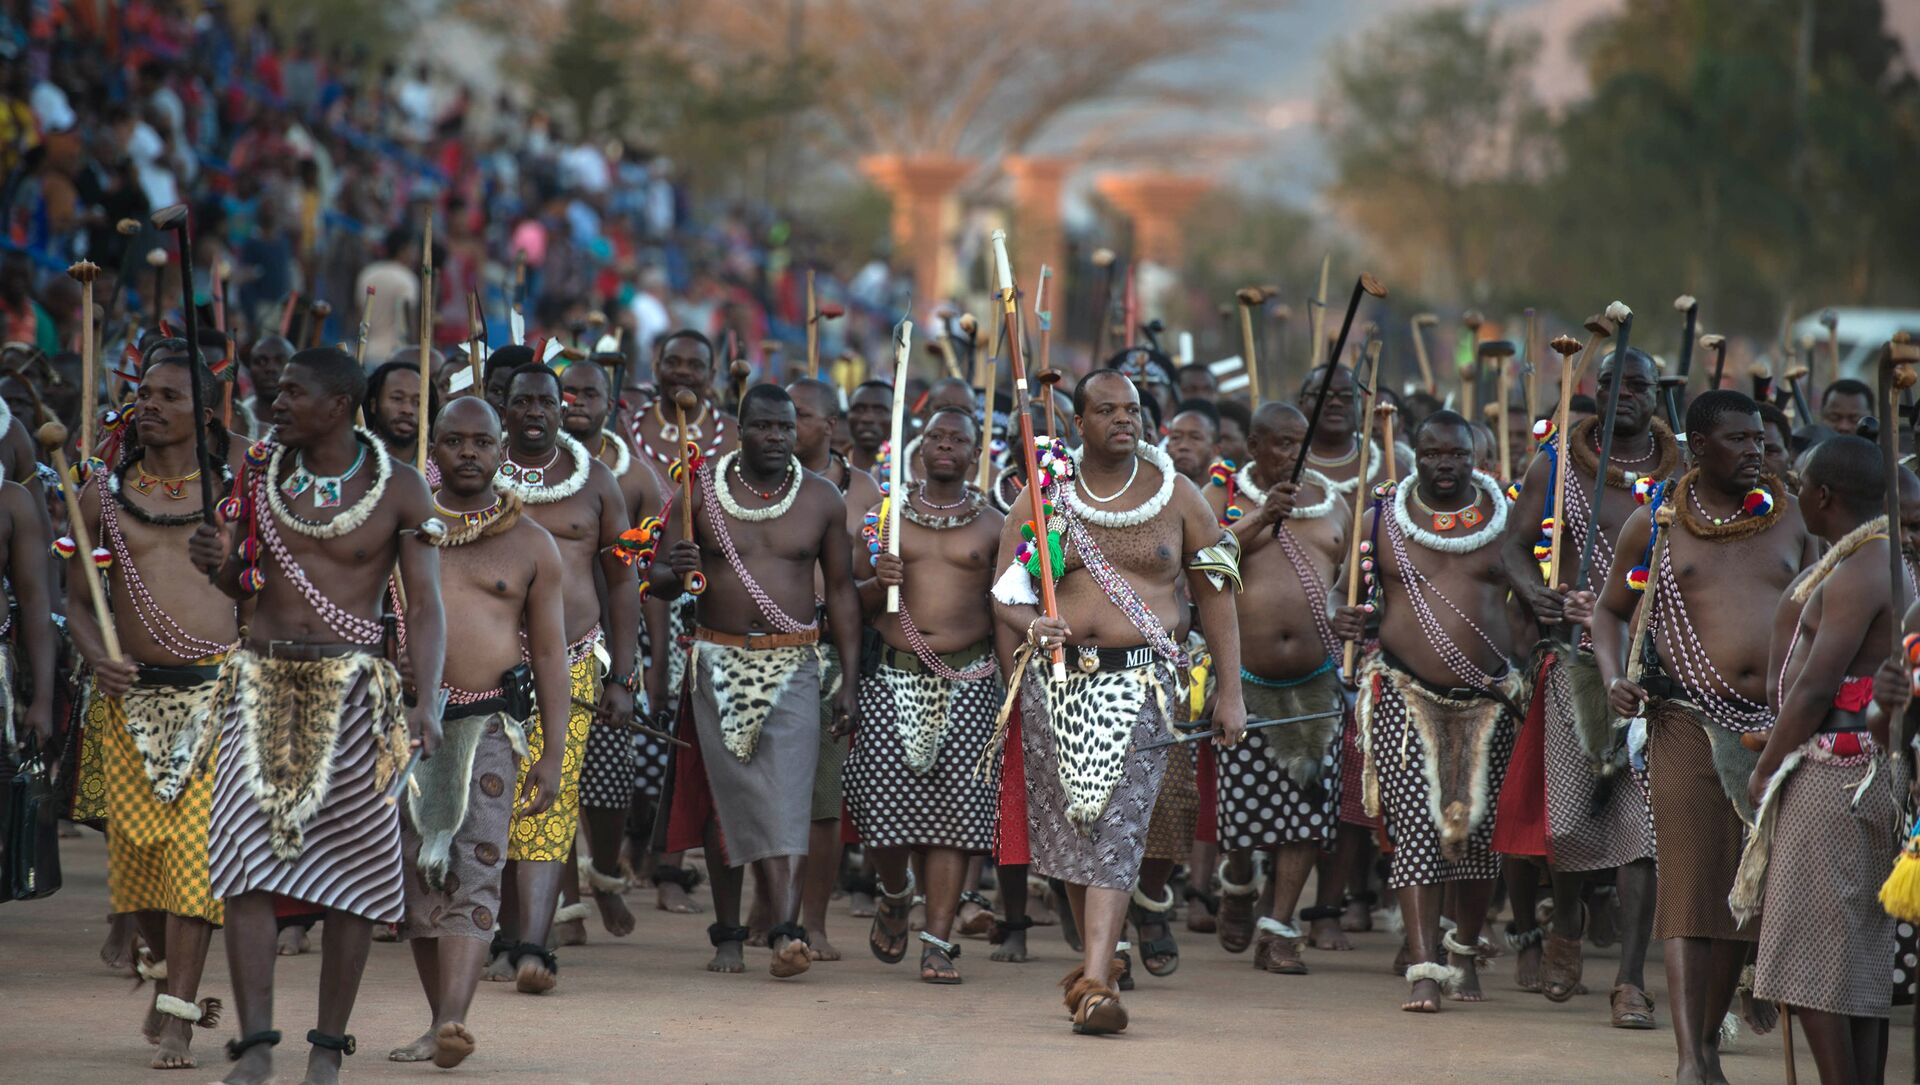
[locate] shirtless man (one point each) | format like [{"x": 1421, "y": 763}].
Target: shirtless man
[
  {"x": 929, "y": 705},
  {"x": 575, "y": 498},
  {"x": 1192, "y": 437},
  {"x": 498, "y": 373},
  {"x": 325, "y": 508},
  {"x": 23, "y": 549},
  {"x": 817, "y": 411},
  {"x": 499, "y": 571},
  {"x": 1440, "y": 700},
  {"x": 682, "y": 359},
  {"x": 1280, "y": 790},
  {"x": 1700, "y": 684},
  {"x": 586, "y": 393},
  {"x": 755, "y": 696},
  {"x": 1133, "y": 530},
  {"x": 1825, "y": 840},
  {"x": 869, "y": 421},
  {"x": 173, "y": 635},
  {"x": 1591, "y": 828},
  {"x": 393, "y": 410}
]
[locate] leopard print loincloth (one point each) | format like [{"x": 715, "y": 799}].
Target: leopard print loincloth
[
  {"x": 746, "y": 685},
  {"x": 1092, "y": 716},
  {"x": 171, "y": 728},
  {"x": 920, "y": 702}
]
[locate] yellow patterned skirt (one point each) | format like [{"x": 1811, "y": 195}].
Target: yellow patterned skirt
[
  {"x": 548, "y": 837},
  {"x": 156, "y": 851},
  {"x": 90, "y": 774}
]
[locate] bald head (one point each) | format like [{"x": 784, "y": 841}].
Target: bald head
[
  {"x": 1274, "y": 413},
  {"x": 467, "y": 447},
  {"x": 470, "y": 414},
  {"x": 950, "y": 392}
]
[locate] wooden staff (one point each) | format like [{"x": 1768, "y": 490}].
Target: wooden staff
[
  {"x": 1422, "y": 321},
  {"x": 1786, "y": 1023},
  {"x": 157, "y": 260},
  {"x": 317, "y": 315},
  {"x": 1470, "y": 380},
  {"x": 1250, "y": 297},
  {"x": 1386, "y": 411},
  {"x": 1366, "y": 284},
  {"x": 1830, "y": 320},
  {"x": 1717, "y": 344},
  {"x": 1622, "y": 319},
  {"x": 1531, "y": 348},
  {"x": 1317, "y": 314},
  {"x": 813, "y": 330},
  {"x": 1131, "y": 308},
  {"x": 1045, "y": 316},
  {"x": 175, "y": 218},
  {"x": 1103, "y": 308},
  {"x": 474, "y": 327},
  {"x": 426, "y": 350},
  {"x": 902, "y": 342},
  {"x": 683, "y": 401},
  {"x": 1565, "y": 346},
  {"x": 1048, "y": 378},
  {"x": 1036, "y": 503},
  {"x": 84, "y": 272},
  {"x": 1500, "y": 352},
  {"x": 986, "y": 407},
  {"x": 366, "y": 325},
  {"x": 218, "y": 275},
  {"x": 1359, "y": 498},
  {"x": 286, "y": 313},
  {"x": 53, "y": 438}
]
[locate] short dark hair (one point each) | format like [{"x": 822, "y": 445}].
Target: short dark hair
[
  {"x": 973, "y": 420},
  {"x": 335, "y": 371},
  {"x": 1709, "y": 407},
  {"x": 1200, "y": 407},
  {"x": 377, "y": 380},
  {"x": 509, "y": 358},
  {"x": 1234, "y": 410},
  {"x": 536, "y": 369},
  {"x": 1196, "y": 367},
  {"x": 660, "y": 345},
  {"x": 1634, "y": 354},
  {"x": 217, "y": 438},
  {"x": 879, "y": 384},
  {"x": 606, "y": 378},
  {"x": 1853, "y": 469},
  {"x": 1771, "y": 415},
  {"x": 827, "y": 390},
  {"x": 1847, "y": 386},
  {"x": 1443, "y": 417},
  {"x": 762, "y": 393},
  {"x": 1581, "y": 403},
  {"x": 1080, "y": 387}
]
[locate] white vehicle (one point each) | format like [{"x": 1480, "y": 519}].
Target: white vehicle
[{"x": 1862, "y": 332}]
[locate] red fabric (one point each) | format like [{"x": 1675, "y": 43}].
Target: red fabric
[
  {"x": 1353, "y": 807},
  {"x": 1854, "y": 694},
  {"x": 289, "y": 908},
  {"x": 692, "y": 805},
  {"x": 1010, "y": 841},
  {"x": 1206, "y": 777},
  {"x": 1520, "y": 817}
]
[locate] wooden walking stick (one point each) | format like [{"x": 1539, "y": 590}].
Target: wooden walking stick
[
  {"x": 175, "y": 218},
  {"x": 1131, "y": 308},
  {"x": 1622, "y": 318},
  {"x": 813, "y": 329},
  {"x": 1566, "y": 346},
  {"x": 1048, "y": 378},
  {"x": 1102, "y": 259},
  {"x": 1786, "y": 1021},
  {"x": 1498, "y": 352},
  {"x": 286, "y": 313},
  {"x": 53, "y": 438},
  {"x": 683, "y": 401},
  {"x": 84, "y": 272},
  {"x": 366, "y": 326},
  {"x": 1386, "y": 411},
  {"x": 896, "y": 459},
  {"x": 1036, "y": 502},
  {"x": 317, "y": 315},
  {"x": 1717, "y": 344},
  {"x": 1317, "y": 316},
  {"x": 1250, "y": 298},
  {"x": 1422, "y": 321},
  {"x": 157, "y": 260},
  {"x": 1470, "y": 379},
  {"x": 1045, "y": 316},
  {"x": 475, "y": 327},
  {"x": 1830, "y": 320},
  {"x": 218, "y": 275},
  {"x": 426, "y": 350},
  {"x": 1359, "y": 499},
  {"x": 1366, "y": 284},
  {"x": 1530, "y": 350},
  {"x": 986, "y": 405}
]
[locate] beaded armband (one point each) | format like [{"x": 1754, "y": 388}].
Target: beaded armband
[{"x": 1220, "y": 562}]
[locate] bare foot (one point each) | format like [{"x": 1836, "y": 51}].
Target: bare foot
[
  {"x": 1326, "y": 934},
  {"x": 1526, "y": 968},
  {"x": 420, "y": 1050},
  {"x": 860, "y": 905},
  {"x": 669, "y": 897},
  {"x": 292, "y": 942},
  {"x": 972, "y": 921},
  {"x": 323, "y": 1067},
  {"x": 1039, "y": 908},
  {"x": 727, "y": 957},
  {"x": 156, "y": 1022},
  {"x": 122, "y": 936},
  {"x": 571, "y": 933},
  {"x": 452, "y": 1044},
  {"x": 175, "y": 1036},
  {"x": 757, "y": 938},
  {"x": 790, "y": 958},
  {"x": 1467, "y": 987},
  {"x": 533, "y": 977},
  {"x": 917, "y": 918},
  {"x": 254, "y": 1067},
  {"x": 1424, "y": 999},
  {"x": 819, "y": 949},
  {"x": 1012, "y": 949},
  {"x": 1358, "y": 918},
  {"x": 613, "y": 914},
  {"x": 498, "y": 970}
]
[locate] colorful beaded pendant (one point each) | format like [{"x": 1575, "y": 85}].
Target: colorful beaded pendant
[{"x": 1758, "y": 502}]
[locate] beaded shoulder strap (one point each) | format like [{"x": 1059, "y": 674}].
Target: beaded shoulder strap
[{"x": 717, "y": 523}]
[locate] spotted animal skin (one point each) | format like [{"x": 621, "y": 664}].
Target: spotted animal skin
[
  {"x": 745, "y": 686},
  {"x": 1092, "y": 717},
  {"x": 169, "y": 726},
  {"x": 919, "y": 714}
]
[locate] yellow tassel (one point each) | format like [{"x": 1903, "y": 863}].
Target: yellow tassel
[{"x": 1900, "y": 896}]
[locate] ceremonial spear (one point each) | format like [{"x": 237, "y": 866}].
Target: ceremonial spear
[
  {"x": 1359, "y": 503},
  {"x": 1009, "y": 299},
  {"x": 896, "y": 459},
  {"x": 1622, "y": 318},
  {"x": 1366, "y": 284},
  {"x": 175, "y": 218}
]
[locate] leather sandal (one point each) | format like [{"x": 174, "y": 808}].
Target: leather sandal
[
  {"x": 1144, "y": 912},
  {"x": 1276, "y": 948},
  {"x": 1093, "y": 1006},
  {"x": 890, "y": 909},
  {"x": 1560, "y": 967},
  {"x": 1632, "y": 1008}
]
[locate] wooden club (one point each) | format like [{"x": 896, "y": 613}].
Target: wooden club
[
  {"x": 84, "y": 272},
  {"x": 1359, "y": 501},
  {"x": 1365, "y": 284},
  {"x": 53, "y": 438},
  {"x": 1421, "y": 322}
]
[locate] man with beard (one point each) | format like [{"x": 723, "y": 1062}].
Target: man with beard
[
  {"x": 575, "y": 498},
  {"x": 1698, "y": 678},
  {"x": 499, "y": 571},
  {"x": 1440, "y": 700},
  {"x": 148, "y": 712},
  {"x": 1596, "y": 818},
  {"x": 1844, "y": 403},
  {"x": 265, "y": 361},
  {"x": 393, "y": 410},
  {"x": 1279, "y": 791},
  {"x": 585, "y": 391},
  {"x": 816, "y": 406},
  {"x": 684, "y": 359},
  {"x": 754, "y": 699},
  {"x": 1130, "y": 539},
  {"x": 322, "y": 505},
  {"x": 928, "y": 705},
  {"x": 869, "y": 421}
]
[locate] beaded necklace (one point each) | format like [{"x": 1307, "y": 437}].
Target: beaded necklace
[
  {"x": 1350, "y": 485},
  {"x": 351, "y": 518},
  {"x": 116, "y": 478},
  {"x": 1139, "y": 514},
  {"x": 717, "y": 523},
  {"x": 530, "y": 482},
  {"x": 921, "y": 650},
  {"x": 350, "y": 628},
  {"x": 160, "y": 625},
  {"x": 1341, "y": 460},
  {"x": 974, "y": 501},
  {"x": 622, "y": 456},
  {"x": 327, "y": 489},
  {"x": 1697, "y": 671},
  {"x": 1417, "y": 588},
  {"x": 667, "y": 460},
  {"x": 1244, "y": 485},
  {"x": 931, "y": 660},
  {"x": 1310, "y": 585}
]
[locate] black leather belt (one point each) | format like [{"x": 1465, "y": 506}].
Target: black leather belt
[
  {"x": 180, "y": 677},
  {"x": 304, "y": 650},
  {"x": 959, "y": 661},
  {"x": 1089, "y": 659},
  {"x": 486, "y": 706}
]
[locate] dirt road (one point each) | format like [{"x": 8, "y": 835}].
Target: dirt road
[{"x": 642, "y": 1009}]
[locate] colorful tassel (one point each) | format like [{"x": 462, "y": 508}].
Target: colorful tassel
[
  {"x": 1900, "y": 895},
  {"x": 696, "y": 583},
  {"x": 1220, "y": 473},
  {"x": 64, "y": 547},
  {"x": 102, "y": 558},
  {"x": 1235, "y": 512},
  {"x": 1543, "y": 431},
  {"x": 252, "y": 579},
  {"x": 1644, "y": 489},
  {"x": 1637, "y": 578},
  {"x": 259, "y": 453},
  {"x": 1758, "y": 502}
]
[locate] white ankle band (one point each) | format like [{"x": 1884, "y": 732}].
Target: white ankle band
[
  {"x": 1161, "y": 906},
  {"x": 177, "y": 1007},
  {"x": 1271, "y": 925}
]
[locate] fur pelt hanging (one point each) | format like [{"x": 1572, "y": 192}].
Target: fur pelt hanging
[
  {"x": 438, "y": 807},
  {"x": 746, "y": 685},
  {"x": 171, "y": 730},
  {"x": 1298, "y": 750},
  {"x": 291, "y": 712}
]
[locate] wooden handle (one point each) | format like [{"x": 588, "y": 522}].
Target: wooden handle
[
  {"x": 1506, "y": 442},
  {"x": 896, "y": 460},
  {"x": 1426, "y": 364},
  {"x": 1246, "y": 348},
  {"x": 1569, "y": 373},
  {"x": 686, "y": 473},
  {"x": 1360, "y": 498},
  {"x": 813, "y": 330},
  {"x": 83, "y": 550},
  {"x": 422, "y": 423}
]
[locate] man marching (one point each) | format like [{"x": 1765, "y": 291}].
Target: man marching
[
  {"x": 150, "y": 704},
  {"x": 1596, "y": 815},
  {"x": 927, "y": 709},
  {"x": 1728, "y": 533},
  {"x": 1130, "y": 530},
  {"x": 755, "y": 686},
  {"x": 499, "y": 571},
  {"x": 575, "y": 498},
  {"x": 684, "y": 359},
  {"x": 869, "y": 413},
  {"x": 1439, "y": 702},
  {"x": 1280, "y": 790},
  {"x": 313, "y": 727}
]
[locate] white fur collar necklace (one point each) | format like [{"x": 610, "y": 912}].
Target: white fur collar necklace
[
  {"x": 1139, "y": 514},
  {"x": 1452, "y": 544},
  {"x": 538, "y": 491},
  {"x": 1243, "y": 484}
]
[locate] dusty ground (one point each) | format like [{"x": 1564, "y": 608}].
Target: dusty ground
[{"x": 642, "y": 1009}]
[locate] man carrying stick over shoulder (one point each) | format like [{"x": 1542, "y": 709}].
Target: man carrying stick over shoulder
[
  {"x": 1130, "y": 531},
  {"x": 313, "y": 727},
  {"x": 500, "y": 572},
  {"x": 755, "y": 686},
  {"x": 1280, "y": 790}
]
